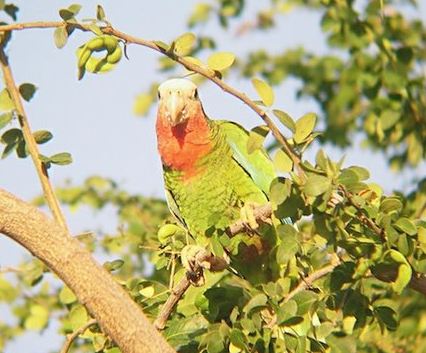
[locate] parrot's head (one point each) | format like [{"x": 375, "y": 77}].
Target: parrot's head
[{"x": 178, "y": 101}]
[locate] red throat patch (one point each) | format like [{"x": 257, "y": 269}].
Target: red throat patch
[{"x": 181, "y": 146}]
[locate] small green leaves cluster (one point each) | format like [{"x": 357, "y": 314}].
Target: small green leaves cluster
[{"x": 377, "y": 90}]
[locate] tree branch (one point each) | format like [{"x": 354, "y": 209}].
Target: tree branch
[
  {"x": 204, "y": 71},
  {"x": 166, "y": 310},
  {"x": 30, "y": 142},
  {"x": 70, "y": 338},
  {"x": 314, "y": 276},
  {"x": 106, "y": 301}
]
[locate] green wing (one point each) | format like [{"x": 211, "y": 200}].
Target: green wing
[{"x": 257, "y": 164}]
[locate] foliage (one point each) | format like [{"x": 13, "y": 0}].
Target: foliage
[{"x": 376, "y": 243}]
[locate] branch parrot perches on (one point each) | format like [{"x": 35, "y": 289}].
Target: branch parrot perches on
[{"x": 211, "y": 179}]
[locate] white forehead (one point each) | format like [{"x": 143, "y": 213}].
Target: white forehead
[{"x": 177, "y": 84}]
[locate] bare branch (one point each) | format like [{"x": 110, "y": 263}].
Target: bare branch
[
  {"x": 70, "y": 338},
  {"x": 30, "y": 142},
  {"x": 106, "y": 301}
]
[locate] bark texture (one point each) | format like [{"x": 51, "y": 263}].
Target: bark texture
[{"x": 117, "y": 314}]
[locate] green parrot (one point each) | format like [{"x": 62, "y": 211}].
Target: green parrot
[{"x": 211, "y": 179}]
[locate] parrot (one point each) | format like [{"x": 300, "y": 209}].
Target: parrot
[{"x": 211, "y": 180}]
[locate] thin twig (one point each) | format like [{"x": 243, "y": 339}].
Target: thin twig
[
  {"x": 10, "y": 269},
  {"x": 71, "y": 337},
  {"x": 204, "y": 71},
  {"x": 361, "y": 215},
  {"x": 30, "y": 142},
  {"x": 314, "y": 276}
]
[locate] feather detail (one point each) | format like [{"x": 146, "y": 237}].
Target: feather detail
[{"x": 182, "y": 146}]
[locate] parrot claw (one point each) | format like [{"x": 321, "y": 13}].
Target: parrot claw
[
  {"x": 195, "y": 259},
  {"x": 248, "y": 218},
  {"x": 335, "y": 199}
]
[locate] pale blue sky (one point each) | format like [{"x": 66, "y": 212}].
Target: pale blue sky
[{"x": 92, "y": 119}]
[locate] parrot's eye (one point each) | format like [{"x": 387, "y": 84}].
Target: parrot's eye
[
  {"x": 158, "y": 94},
  {"x": 196, "y": 94}
]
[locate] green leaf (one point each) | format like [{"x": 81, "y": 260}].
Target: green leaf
[
  {"x": 78, "y": 317},
  {"x": 387, "y": 316},
  {"x": 100, "y": 13},
  {"x": 285, "y": 119},
  {"x": 66, "y": 14},
  {"x": 256, "y": 137},
  {"x": 406, "y": 225},
  {"x": 390, "y": 205},
  {"x": 142, "y": 104},
  {"x": 113, "y": 265},
  {"x": 74, "y": 8},
  {"x": 66, "y": 296},
  {"x": 220, "y": 61},
  {"x": 342, "y": 344},
  {"x": 183, "y": 44},
  {"x": 238, "y": 339},
  {"x": 8, "y": 292},
  {"x": 38, "y": 318},
  {"x": 389, "y": 118},
  {"x": 96, "y": 29},
  {"x": 5, "y": 119},
  {"x": 63, "y": 158},
  {"x": 304, "y": 127},
  {"x": 11, "y": 136},
  {"x": 305, "y": 300},
  {"x": 282, "y": 161},
  {"x": 42, "y": 136},
  {"x": 279, "y": 190},
  {"x": 147, "y": 292},
  {"x": 362, "y": 173},
  {"x": 60, "y": 36},
  {"x": 264, "y": 91},
  {"x": 289, "y": 245},
  {"x": 6, "y": 103},
  {"x": 259, "y": 300},
  {"x": 21, "y": 149},
  {"x": 316, "y": 185},
  {"x": 27, "y": 91},
  {"x": 404, "y": 270}
]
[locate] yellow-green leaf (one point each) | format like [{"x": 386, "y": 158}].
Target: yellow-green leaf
[
  {"x": 6, "y": 102},
  {"x": 220, "y": 61},
  {"x": 304, "y": 127},
  {"x": 38, "y": 318},
  {"x": 142, "y": 104},
  {"x": 264, "y": 91},
  {"x": 60, "y": 37},
  {"x": 184, "y": 44},
  {"x": 66, "y": 296},
  {"x": 147, "y": 292},
  {"x": 406, "y": 225},
  {"x": 256, "y": 137},
  {"x": 316, "y": 185},
  {"x": 285, "y": 119},
  {"x": 282, "y": 161}
]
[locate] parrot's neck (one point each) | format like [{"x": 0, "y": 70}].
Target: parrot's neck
[{"x": 182, "y": 146}]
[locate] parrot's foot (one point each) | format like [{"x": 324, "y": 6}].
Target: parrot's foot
[
  {"x": 195, "y": 259},
  {"x": 335, "y": 199},
  {"x": 250, "y": 219}
]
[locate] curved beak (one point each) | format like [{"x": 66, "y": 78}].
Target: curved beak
[{"x": 175, "y": 105}]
